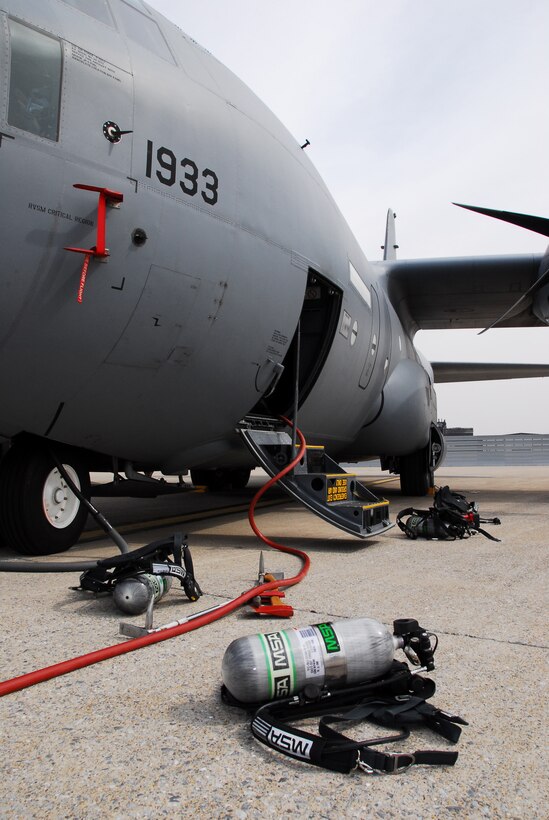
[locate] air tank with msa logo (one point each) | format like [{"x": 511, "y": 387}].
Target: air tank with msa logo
[
  {"x": 280, "y": 664},
  {"x": 133, "y": 594}
]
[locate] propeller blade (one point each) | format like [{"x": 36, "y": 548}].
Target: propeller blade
[
  {"x": 544, "y": 278},
  {"x": 538, "y": 224}
]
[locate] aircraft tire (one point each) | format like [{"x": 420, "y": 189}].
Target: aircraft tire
[
  {"x": 39, "y": 515},
  {"x": 240, "y": 478},
  {"x": 211, "y": 479},
  {"x": 218, "y": 480},
  {"x": 415, "y": 476}
]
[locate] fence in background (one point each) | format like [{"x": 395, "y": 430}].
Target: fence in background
[{"x": 504, "y": 451}]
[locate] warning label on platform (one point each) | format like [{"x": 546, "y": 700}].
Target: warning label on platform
[{"x": 337, "y": 490}]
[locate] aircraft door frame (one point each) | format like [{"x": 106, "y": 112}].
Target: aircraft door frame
[
  {"x": 318, "y": 323},
  {"x": 374, "y": 343}
]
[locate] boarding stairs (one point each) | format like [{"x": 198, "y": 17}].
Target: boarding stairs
[{"x": 317, "y": 481}]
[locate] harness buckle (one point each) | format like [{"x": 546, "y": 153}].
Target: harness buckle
[
  {"x": 399, "y": 762},
  {"x": 360, "y": 764}
]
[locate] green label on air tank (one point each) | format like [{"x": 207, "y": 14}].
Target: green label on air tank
[{"x": 329, "y": 637}]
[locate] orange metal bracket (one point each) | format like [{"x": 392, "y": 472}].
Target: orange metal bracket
[{"x": 271, "y": 603}]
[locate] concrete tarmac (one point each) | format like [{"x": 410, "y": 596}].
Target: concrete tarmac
[{"x": 145, "y": 735}]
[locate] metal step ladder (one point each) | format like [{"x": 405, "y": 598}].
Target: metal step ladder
[{"x": 318, "y": 481}]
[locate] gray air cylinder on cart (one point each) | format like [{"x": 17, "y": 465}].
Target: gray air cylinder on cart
[{"x": 279, "y": 664}]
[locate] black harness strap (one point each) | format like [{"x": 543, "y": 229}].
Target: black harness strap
[
  {"x": 381, "y": 702},
  {"x": 487, "y": 534},
  {"x": 153, "y": 558},
  {"x": 333, "y": 750}
]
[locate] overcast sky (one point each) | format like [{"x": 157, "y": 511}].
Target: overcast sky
[{"x": 413, "y": 104}]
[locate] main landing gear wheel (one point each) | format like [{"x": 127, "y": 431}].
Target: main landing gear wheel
[
  {"x": 217, "y": 480},
  {"x": 39, "y": 514},
  {"x": 416, "y": 477}
]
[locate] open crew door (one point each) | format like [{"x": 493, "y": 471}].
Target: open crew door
[{"x": 317, "y": 327}]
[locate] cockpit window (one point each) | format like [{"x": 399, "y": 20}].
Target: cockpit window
[
  {"x": 95, "y": 8},
  {"x": 35, "y": 81},
  {"x": 144, "y": 30}
]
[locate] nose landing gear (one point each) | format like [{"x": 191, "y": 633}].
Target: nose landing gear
[
  {"x": 39, "y": 514},
  {"x": 59, "y": 503}
]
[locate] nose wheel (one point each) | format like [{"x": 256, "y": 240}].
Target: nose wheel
[
  {"x": 39, "y": 514},
  {"x": 59, "y": 503}
]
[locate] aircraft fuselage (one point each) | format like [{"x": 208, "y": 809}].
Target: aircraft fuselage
[{"x": 153, "y": 345}]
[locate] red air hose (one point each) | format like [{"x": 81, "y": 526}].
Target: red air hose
[
  {"x": 262, "y": 490},
  {"x": 79, "y": 662}
]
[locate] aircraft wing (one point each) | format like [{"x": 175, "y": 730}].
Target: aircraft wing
[
  {"x": 464, "y": 292},
  {"x": 483, "y": 371}
]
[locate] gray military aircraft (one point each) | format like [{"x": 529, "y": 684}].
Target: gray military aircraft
[{"x": 174, "y": 270}]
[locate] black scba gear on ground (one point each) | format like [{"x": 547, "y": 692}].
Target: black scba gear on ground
[
  {"x": 153, "y": 559},
  {"x": 450, "y": 517},
  {"x": 398, "y": 700}
]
